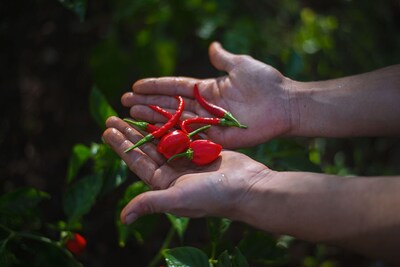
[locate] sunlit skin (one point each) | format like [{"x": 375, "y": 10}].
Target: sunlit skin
[{"x": 356, "y": 213}]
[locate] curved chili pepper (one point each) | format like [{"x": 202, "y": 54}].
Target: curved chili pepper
[
  {"x": 200, "y": 152},
  {"x": 163, "y": 129},
  {"x": 213, "y": 121},
  {"x": 165, "y": 114},
  {"x": 176, "y": 142},
  {"x": 142, "y": 125},
  {"x": 214, "y": 109}
]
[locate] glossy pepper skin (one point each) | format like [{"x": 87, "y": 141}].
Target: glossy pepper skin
[
  {"x": 142, "y": 125},
  {"x": 173, "y": 143},
  {"x": 163, "y": 129},
  {"x": 214, "y": 109},
  {"x": 201, "y": 152},
  {"x": 76, "y": 244},
  {"x": 176, "y": 142},
  {"x": 168, "y": 116}
]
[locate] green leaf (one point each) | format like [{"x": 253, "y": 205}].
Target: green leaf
[
  {"x": 107, "y": 161},
  {"x": 217, "y": 227},
  {"x": 238, "y": 260},
  {"x": 224, "y": 260},
  {"x": 143, "y": 227},
  {"x": 80, "y": 154},
  {"x": 186, "y": 257},
  {"x": 179, "y": 223},
  {"x": 262, "y": 248},
  {"x": 80, "y": 197},
  {"x": 99, "y": 107},
  {"x": 19, "y": 206},
  {"x": 77, "y": 6}
]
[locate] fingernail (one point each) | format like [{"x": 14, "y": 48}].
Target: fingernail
[{"x": 130, "y": 218}]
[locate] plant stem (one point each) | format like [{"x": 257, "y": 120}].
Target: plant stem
[
  {"x": 14, "y": 234},
  {"x": 170, "y": 235}
]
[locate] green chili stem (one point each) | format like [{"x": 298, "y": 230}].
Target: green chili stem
[
  {"x": 231, "y": 118},
  {"x": 170, "y": 235},
  {"x": 199, "y": 130},
  {"x": 188, "y": 154},
  {"x": 146, "y": 139}
]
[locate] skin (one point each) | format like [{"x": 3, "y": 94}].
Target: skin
[{"x": 358, "y": 213}]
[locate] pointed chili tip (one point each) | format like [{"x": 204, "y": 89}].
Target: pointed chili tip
[
  {"x": 142, "y": 141},
  {"x": 233, "y": 121}
]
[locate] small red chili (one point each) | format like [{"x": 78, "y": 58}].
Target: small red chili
[
  {"x": 200, "y": 152},
  {"x": 163, "y": 129},
  {"x": 214, "y": 109},
  {"x": 166, "y": 114},
  {"x": 76, "y": 244},
  {"x": 142, "y": 125},
  {"x": 176, "y": 142},
  {"x": 213, "y": 121}
]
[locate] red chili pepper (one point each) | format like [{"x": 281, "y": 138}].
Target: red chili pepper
[
  {"x": 214, "y": 109},
  {"x": 212, "y": 121},
  {"x": 176, "y": 142},
  {"x": 200, "y": 152},
  {"x": 166, "y": 114},
  {"x": 76, "y": 244},
  {"x": 163, "y": 129},
  {"x": 142, "y": 125}
]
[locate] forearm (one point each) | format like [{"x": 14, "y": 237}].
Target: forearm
[
  {"x": 361, "y": 214},
  {"x": 362, "y": 105}
]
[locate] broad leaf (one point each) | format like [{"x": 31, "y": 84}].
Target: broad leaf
[
  {"x": 224, "y": 260},
  {"x": 179, "y": 223},
  {"x": 217, "y": 227},
  {"x": 235, "y": 260},
  {"x": 99, "y": 107},
  {"x": 80, "y": 197},
  {"x": 19, "y": 206},
  {"x": 262, "y": 248},
  {"x": 185, "y": 257},
  {"x": 238, "y": 260},
  {"x": 107, "y": 161},
  {"x": 80, "y": 154}
]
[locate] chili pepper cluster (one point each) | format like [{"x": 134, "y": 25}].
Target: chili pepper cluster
[{"x": 185, "y": 142}]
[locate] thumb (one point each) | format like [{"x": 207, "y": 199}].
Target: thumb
[
  {"x": 220, "y": 58},
  {"x": 149, "y": 202}
]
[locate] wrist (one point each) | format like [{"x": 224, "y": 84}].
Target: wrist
[{"x": 294, "y": 95}]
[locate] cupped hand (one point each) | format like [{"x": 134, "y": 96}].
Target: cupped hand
[
  {"x": 255, "y": 93},
  {"x": 180, "y": 187}
]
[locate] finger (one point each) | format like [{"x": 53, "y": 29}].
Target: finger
[
  {"x": 220, "y": 58},
  {"x": 138, "y": 162},
  {"x": 150, "y": 202},
  {"x": 147, "y": 114},
  {"x": 166, "y": 102},
  {"x": 134, "y": 136},
  {"x": 172, "y": 86}
]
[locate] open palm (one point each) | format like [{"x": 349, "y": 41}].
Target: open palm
[
  {"x": 255, "y": 93},
  {"x": 182, "y": 189}
]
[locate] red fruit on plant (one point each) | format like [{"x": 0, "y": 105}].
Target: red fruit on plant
[
  {"x": 201, "y": 152},
  {"x": 76, "y": 244}
]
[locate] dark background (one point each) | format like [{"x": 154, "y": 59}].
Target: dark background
[{"x": 50, "y": 60}]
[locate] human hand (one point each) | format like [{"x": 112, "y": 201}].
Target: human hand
[
  {"x": 187, "y": 190},
  {"x": 255, "y": 93}
]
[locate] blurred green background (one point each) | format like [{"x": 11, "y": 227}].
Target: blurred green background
[{"x": 51, "y": 56}]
